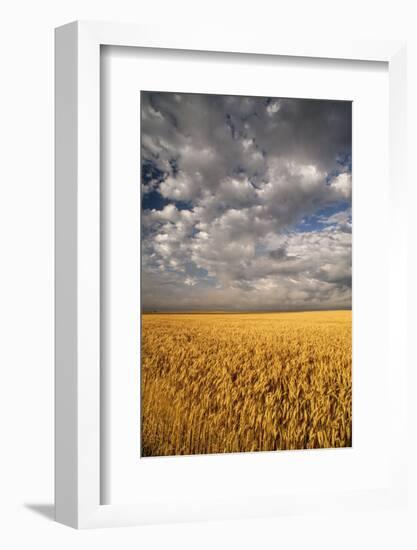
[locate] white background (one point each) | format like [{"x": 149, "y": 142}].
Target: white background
[{"x": 26, "y": 301}]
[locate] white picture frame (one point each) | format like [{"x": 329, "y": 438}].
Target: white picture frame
[{"x": 77, "y": 237}]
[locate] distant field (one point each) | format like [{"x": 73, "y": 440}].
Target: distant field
[{"x": 222, "y": 383}]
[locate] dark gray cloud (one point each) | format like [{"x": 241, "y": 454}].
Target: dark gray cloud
[{"x": 246, "y": 202}]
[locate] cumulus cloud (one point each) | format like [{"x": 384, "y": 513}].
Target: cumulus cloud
[{"x": 246, "y": 202}]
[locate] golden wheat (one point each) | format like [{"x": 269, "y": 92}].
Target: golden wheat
[{"x": 221, "y": 383}]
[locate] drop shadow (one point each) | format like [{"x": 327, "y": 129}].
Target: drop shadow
[{"x": 45, "y": 510}]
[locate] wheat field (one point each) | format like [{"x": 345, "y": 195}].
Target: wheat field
[{"x": 233, "y": 382}]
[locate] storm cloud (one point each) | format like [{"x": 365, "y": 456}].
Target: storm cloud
[{"x": 246, "y": 202}]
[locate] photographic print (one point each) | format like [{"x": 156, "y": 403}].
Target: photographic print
[{"x": 246, "y": 257}]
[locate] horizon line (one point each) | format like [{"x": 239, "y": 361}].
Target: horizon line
[{"x": 197, "y": 311}]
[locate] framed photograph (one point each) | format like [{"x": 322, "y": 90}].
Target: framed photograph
[{"x": 230, "y": 280}]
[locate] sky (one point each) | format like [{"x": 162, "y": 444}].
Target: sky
[{"x": 246, "y": 203}]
